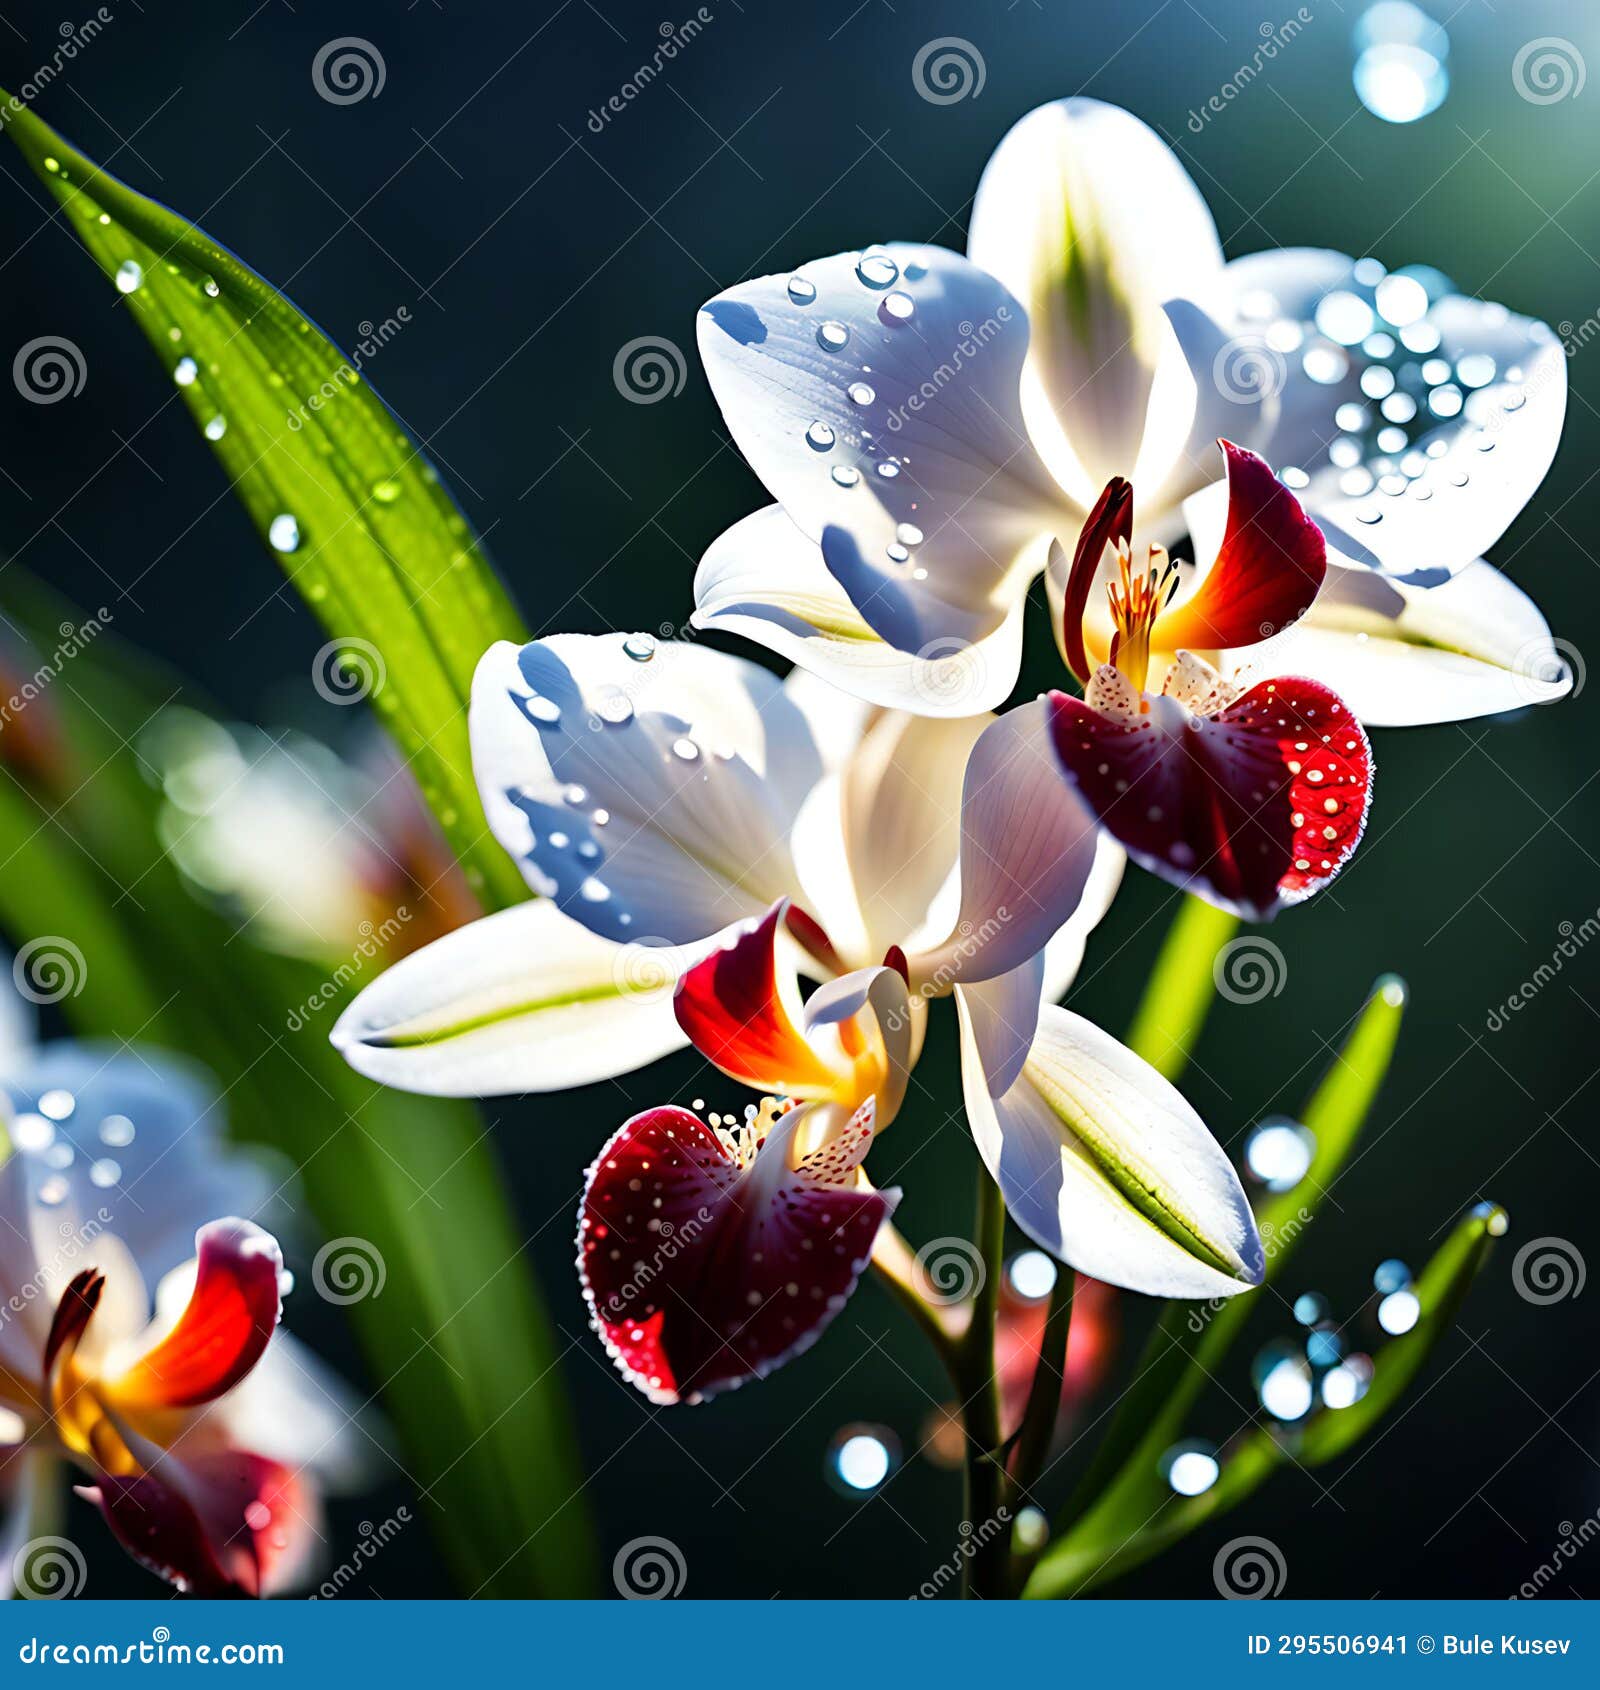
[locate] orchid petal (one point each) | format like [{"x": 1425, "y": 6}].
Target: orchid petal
[
  {"x": 1027, "y": 849},
  {"x": 1103, "y": 1164},
  {"x": 221, "y": 1334},
  {"x": 1087, "y": 216},
  {"x": 700, "y": 1272},
  {"x": 765, "y": 580},
  {"x": 883, "y": 992},
  {"x": 1063, "y": 955},
  {"x": 1403, "y": 656},
  {"x": 1255, "y": 806},
  {"x": 731, "y": 1008},
  {"x": 828, "y": 380},
  {"x": 647, "y": 789},
  {"x": 1266, "y": 572},
  {"x": 525, "y": 1000},
  {"x": 1484, "y": 430}
]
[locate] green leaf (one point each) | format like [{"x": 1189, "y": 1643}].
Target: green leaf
[
  {"x": 380, "y": 550},
  {"x": 1086, "y": 1561},
  {"x": 1123, "y": 1488},
  {"x": 1182, "y": 984},
  {"x": 458, "y": 1339}
]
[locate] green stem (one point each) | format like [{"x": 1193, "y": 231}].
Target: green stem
[
  {"x": 1044, "y": 1395},
  {"x": 985, "y": 1571}
]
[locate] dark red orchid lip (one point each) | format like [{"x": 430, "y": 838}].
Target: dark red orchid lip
[
  {"x": 1254, "y": 807},
  {"x": 701, "y": 1272}
]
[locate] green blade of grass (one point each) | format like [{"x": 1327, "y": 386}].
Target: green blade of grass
[{"x": 337, "y": 490}]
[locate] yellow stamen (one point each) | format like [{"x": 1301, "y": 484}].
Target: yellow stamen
[{"x": 1136, "y": 601}]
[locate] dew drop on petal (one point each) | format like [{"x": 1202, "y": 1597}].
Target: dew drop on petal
[
  {"x": 130, "y": 275},
  {"x": 283, "y": 533}
]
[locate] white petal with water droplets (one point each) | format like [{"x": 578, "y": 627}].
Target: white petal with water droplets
[
  {"x": 765, "y": 580},
  {"x": 650, "y": 799},
  {"x": 928, "y": 501}
]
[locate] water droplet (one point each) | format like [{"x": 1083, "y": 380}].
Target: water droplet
[
  {"x": 1399, "y": 408},
  {"x": 283, "y": 533},
  {"x": 105, "y": 1172},
  {"x": 1445, "y": 401},
  {"x": 844, "y": 475},
  {"x": 32, "y": 1133},
  {"x": 801, "y": 291},
  {"x": 832, "y": 336},
  {"x": 211, "y": 288},
  {"x": 1351, "y": 417},
  {"x": 57, "y": 1104},
  {"x": 897, "y": 553},
  {"x": 640, "y": 647},
  {"x": 1032, "y": 1275},
  {"x": 216, "y": 427},
  {"x": 860, "y": 393},
  {"x": 1279, "y": 1153},
  {"x": 575, "y": 795},
  {"x": 130, "y": 275},
  {"x": 1344, "y": 317},
  {"x": 615, "y": 708},
  {"x": 1391, "y": 1275},
  {"x": 386, "y": 491},
  {"x": 53, "y": 165},
  {"x": 542, "y": 709},
  {"x": 1324, "y": 364},
  {"x": 686, "y": 749},
  {"x": 897, "y": 307},
  {"x": 1344, "y": 453},
  {"x": 184, "y": 371},
  {"x": 1283, "y": 1383},
  {"x": 819, "y": 437},
  {"x": 594, "y": 891},
  {"x": 1399, "y": 1312},
  {"x": 53, "y": 1191},
  {"x": 1292, "y": 477},
  {"x": 877, "y": 270},
  {"x": 908, "y": 534},
  {"x": 1191, "y": 1468},
  {"x": 1401, "y": 300},
  {"x": 888, "y": 469},
  {"x": 257, "y": 1516},
  {"x": 860, "y": 1458},
  {"x": 1477, "y": 369},
  {"x": 117, "y": 1131},
  {"x": 1377, "y": 381}
]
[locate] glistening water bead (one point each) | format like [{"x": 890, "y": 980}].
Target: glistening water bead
[{"x": 283, "y": 533}]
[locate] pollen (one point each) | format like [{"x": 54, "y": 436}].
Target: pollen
[{"x": 1136, "y": 599}]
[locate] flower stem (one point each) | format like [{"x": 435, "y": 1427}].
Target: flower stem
[
  {"x": 984, "y": 1572},
  {"x": 1044, "y": 1396}
]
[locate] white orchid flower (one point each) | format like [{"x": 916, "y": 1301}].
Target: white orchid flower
[
  {"x": 700, "y": 832},
  {"x": 926, "y": 447},
  {"x": 141, "y": 1345}
]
